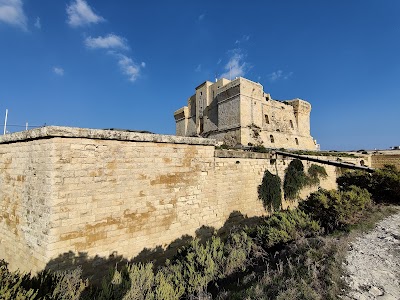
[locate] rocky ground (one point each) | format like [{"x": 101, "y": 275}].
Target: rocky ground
[{"x": 373, "y": 262}]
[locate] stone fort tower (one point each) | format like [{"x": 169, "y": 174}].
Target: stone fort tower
[{"x": 240, "y": 112}]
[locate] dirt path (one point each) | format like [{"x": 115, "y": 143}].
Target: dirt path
[{"x": 373, "y": 262}]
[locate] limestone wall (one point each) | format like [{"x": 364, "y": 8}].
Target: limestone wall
[
  {"x": 26, "y": 191},
  {"x": 99, "y": 193}
]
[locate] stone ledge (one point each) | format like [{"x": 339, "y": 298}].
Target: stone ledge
[
  {"x": 100, "y": 134},
  {"x": 241, "y": 154}
]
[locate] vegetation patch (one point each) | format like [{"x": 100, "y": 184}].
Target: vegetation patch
[
  {"x": 336, "y": 209},
  {"x": 269, "y": 191},
  {"x": 383, "y": 184},
  {"x": 295, "y": 179},
  {"x": 284, "y": 227},
  {"x": 315, "y": 172}
]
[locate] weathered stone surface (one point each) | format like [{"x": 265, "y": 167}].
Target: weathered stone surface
[
  {"x": 240, "y": 112},
  {"x": 119, "y": 135},
  {"x": 68, "y": 193}
]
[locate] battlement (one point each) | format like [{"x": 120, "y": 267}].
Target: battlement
[{"x": 239, "y": 111}]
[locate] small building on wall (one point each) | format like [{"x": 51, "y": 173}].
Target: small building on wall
[{"x": 240, "y": 112}]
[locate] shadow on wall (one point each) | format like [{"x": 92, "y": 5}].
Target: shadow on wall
[{"x": 96, "y": 268}]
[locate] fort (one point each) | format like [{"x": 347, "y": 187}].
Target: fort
[
  {"x": 82, "y": 196},
  {"x": 240, "y": 112},
  {"x": 72, "y": 192}
]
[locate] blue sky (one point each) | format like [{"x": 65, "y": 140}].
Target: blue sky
[{"x": 130, "y": 64}]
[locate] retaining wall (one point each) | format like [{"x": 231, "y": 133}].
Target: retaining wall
[{"x": 70, "y": 193}]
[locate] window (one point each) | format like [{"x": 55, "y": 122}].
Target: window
[
  {"x": 291, "y": 124},
  {"x": 266, "y": 119},
  {"x": 297, "y": 141},
  {"x": 272, "y": 138}
]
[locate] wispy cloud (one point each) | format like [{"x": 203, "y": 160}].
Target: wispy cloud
[
  {"x": 11, "y": 12},
  {"x": 37, "y": 24},
  {"x": 129, "y": 67},
  {"x": 198, "y": 68},
  {"x": 201, "y": 17},
  {"x": 116, "y": 45},
  {"x": 110, "y": 41},
  {"x": 80, "y": 14},
  {"x": 58, "y": 71},
  {"x": 236, "y": 66},
  {"x": 243, "y": 39},
  {"x": 279, "y": 75}
]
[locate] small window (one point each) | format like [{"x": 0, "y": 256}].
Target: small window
[
  {"x": 201, "y": 93},
  {"x": 291, "y": 124},
  {"x": 297, "y": 141},
  {"x": 272, "y": 138},
  {"x": 266, "y": 119}
]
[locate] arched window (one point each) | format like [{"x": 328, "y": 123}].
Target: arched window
[
  {"x": 291, "y": 124},
  {"x": 297, "y": 141},
  {"x": 272, "y": 138},
  {"x": 266, "y": 119}
]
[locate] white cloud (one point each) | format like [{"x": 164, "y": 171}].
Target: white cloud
[
  {"x": 129, "y": 67},
  {"x": 235, "y": 67},
  {"x": 11, "y": 12},
  {"x": 58, "y": 71},
  {"x": 110, "y": 41},
  {"x": 279, "y": 75},
  {"x": 198, "y": 68},
  {"x": 243, "y": 39},
  {"x": 201, "y": 17},
  {"x": 37, "y": 24},
  {"x": 80, "y": 13}
]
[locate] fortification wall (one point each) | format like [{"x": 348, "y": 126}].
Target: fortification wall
[
  {"x": 93, "y": 193},
  {"x": 388, "y": 158}
]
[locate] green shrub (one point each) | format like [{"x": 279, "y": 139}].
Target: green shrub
[
  {"x": 315, "y": 172},
  {"x": 386, "y": 185},
  {"x": 307, "y": 269},
  {"x": 114, "y": 286},
  {"x": 238, "y": 250},
  {"x": 201, "y": 264},
  {"x": 383, "y": 184},
  {"x": 170, "y": 284},
  {"x": 336, "y": 209},
  {"x": 295, "y": 179},
  {"x": 142, "y": 280},
  {"x": 284, "y": 227},
  {"x": 12, "y": 285},
  {"x": 269, "y": 191},
  {"x": 361, "y": 179},
  {"x": 260, "y": 149}
]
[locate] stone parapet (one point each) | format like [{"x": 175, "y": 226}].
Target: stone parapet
[{"x": 101, "y": 134}]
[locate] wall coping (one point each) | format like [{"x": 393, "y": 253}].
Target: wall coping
[{"x": 100, "y": 134}]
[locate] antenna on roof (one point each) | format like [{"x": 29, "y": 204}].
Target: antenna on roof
[{"x": 5, "y": 122}]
